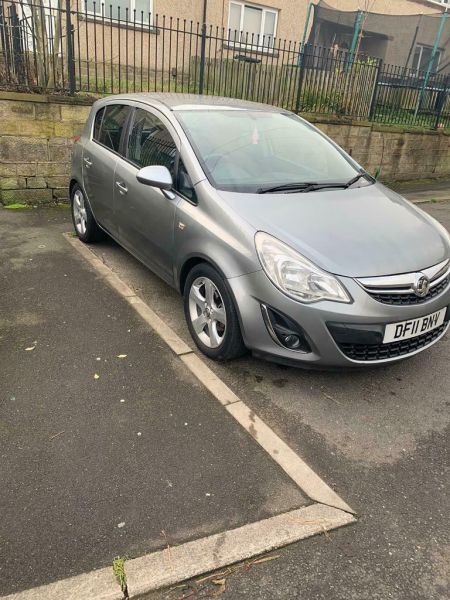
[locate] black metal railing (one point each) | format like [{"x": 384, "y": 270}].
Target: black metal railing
[
  {"x": 410, "y": 97},
  {"x": 94, "y": 48}
]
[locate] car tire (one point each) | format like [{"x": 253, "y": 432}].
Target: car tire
[
  {"x": 83, "y": 220},
  {"x": 211, "y": 314}
]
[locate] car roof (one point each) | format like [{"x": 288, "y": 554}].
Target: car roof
[{"x": 173, "y": 101}]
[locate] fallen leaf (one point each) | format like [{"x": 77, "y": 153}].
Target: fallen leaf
[
  {"x": 96, "y": 376},
  {"x": 122, "y": 355},
  {"x": 30, "y": 348}
]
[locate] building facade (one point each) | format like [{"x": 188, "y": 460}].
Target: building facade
[
  {"x": 282, "y": 19},
  {"x": 400, "y": 33}
]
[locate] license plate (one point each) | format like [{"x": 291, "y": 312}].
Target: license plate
[{"x": 404, "y": 330}]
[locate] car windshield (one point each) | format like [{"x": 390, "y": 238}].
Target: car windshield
[{"x": 250, "y": 150}]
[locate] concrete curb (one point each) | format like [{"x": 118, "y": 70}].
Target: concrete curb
[
  {"x": 170, "y": 566},
  {"x": 286, "y": 458},
  {"x": 162, "y": 569}
]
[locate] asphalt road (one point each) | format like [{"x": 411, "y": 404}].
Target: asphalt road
[
  {"x": 108, "y": 445},
  {"x": 380, "y": 437}
]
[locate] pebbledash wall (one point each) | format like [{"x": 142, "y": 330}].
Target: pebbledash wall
[{"x": 36, "y": 136}]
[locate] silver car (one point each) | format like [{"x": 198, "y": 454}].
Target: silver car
[{"x": 278, "y": 240}]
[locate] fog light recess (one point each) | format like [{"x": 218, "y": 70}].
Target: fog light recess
[{"x": 284, "y": 331}]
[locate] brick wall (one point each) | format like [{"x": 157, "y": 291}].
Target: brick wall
[{"x": 36, "y": 137}]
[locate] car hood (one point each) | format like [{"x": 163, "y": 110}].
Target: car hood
[{"x": 359, "y": 232}]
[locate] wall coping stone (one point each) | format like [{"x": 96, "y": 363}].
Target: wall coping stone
[
  {"x": 48, "y": 98},
  {"x": 312, "y": 117}
]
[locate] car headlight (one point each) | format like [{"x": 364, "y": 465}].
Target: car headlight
[{"x": 294, "y": 274}]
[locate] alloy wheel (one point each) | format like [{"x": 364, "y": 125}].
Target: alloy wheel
[
  {"x": 79, "y": 212},
  {"x": 207, "y": 312}
]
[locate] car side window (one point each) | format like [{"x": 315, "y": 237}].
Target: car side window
[
  {"x": 150, "y": 142},
  {"x": 184, "y": 183},
  {"x": 97, "y": 123},
  {"x": 112, "y": 124}
]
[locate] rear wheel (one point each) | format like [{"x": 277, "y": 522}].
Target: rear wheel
[
  {"x": 211, "y": 315},
  {"x": 85, "y": 225}
]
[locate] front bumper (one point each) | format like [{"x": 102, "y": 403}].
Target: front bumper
[{"x": 255, "y": 289}]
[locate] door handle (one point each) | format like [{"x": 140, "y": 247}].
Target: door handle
[
  {"x": 87, "y": 161},
  {"x": 122, "y": 187}
]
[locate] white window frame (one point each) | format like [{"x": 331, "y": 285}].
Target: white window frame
[
  {"x": 422, "y": 46},
  {"x": 265, "y": 10},
  {"x": 98, "y": 13},
  {"x": 51, "y": 13},
  {"x": 439, "y": 2}
]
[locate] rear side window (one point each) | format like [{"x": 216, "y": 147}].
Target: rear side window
[
  {"x": 97, "y": 123},
  {"x": 112, "y": 124},
  {"x": 150, "y": 142}
]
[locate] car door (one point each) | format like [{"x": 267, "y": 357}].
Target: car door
[
  {"x": 100, "y": 155},
  {"x": 146, "y": 214}
]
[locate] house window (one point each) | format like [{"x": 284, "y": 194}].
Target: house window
[
  {"x": 422, "y": 58},
  {"x": 110, "y": 9},
  {"x": 252, "y": 25}
]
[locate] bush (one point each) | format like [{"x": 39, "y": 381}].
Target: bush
[{"x": 319, "y": 102}]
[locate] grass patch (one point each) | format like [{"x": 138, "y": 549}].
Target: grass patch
[
  {"x": 17, "y": 206},
  {"x": 20, "y": 206},
  {"x": 118, "y": 566},
  {"x": 406, "y": 118}
]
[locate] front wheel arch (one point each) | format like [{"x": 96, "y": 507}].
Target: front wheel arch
[
  {"x": 193, "y": 261},
  {"x": 72, "y": 184}
]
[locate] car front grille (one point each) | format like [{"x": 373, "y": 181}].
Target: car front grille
[
  {"x": 406, "y": 299},
  {"x": 373, "y": 352},
  {"x": 400, "y": 290}
]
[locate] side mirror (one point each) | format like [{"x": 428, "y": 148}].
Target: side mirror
[{"x": 156, "y": 176}]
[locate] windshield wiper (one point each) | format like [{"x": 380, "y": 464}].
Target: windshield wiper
[
  {"x": 311, "y": 186},
  {"x": 285, "y": 187},
  {"x": 304, "y": 186},
  {"x": 356, "y": 178}
]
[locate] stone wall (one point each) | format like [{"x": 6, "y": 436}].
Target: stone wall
[
  {"x": 398, "y": 153},
  {"x": 36, "y": 134}
]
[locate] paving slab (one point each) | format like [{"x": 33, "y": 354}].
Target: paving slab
[
  {"x": 379, "y": 437},
  {"x": 108, "y": 445}
]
